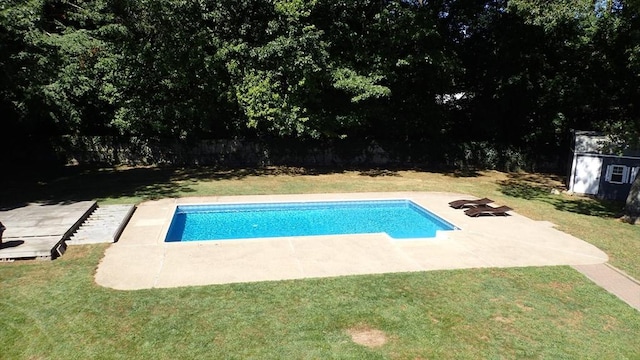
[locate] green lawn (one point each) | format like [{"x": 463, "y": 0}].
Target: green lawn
[{"x": 53, "y": 310}]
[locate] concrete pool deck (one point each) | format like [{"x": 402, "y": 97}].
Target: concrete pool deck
[{"x": 141, "y": 259}]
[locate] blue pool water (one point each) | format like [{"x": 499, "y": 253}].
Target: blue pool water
[{"x": 400, "y": 219}]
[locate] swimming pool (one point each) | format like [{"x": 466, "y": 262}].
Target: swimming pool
[{"x": 400, "y": 219}]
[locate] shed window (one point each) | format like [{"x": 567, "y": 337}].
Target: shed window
[{"x": 617, "y": 174}]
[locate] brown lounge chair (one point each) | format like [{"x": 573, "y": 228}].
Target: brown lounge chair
[
  {"x": 487, "y": 210},
  {"x": 459, "y": 204}
]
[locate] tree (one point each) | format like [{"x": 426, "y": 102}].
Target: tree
[
  {"x": 630, "y": 15},
  {"x": 55, "y": 72},
  {"x": 423, "y": 78},
  {"x": 278, "y": 68},
  {"x": 171, "y": 80}
]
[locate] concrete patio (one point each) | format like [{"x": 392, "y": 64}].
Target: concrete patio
[{"x": 141, "y": 259}]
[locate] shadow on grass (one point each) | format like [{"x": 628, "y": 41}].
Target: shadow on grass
[
  {"x": 523, "y": 190},
  {"x": 464, "y": 173},
  {"x": 377, "y": 172},
  {"x": 542, "y": 187},
  {"x": 77, "y": 183},
  {"x": 591, "y": 207},
  {"x": 73, "y": 184}
]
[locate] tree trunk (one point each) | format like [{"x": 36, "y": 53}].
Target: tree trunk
[{"x": 632, "y": 207}]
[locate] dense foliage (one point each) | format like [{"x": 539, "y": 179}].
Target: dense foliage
[{"x": 431, "y": 80}]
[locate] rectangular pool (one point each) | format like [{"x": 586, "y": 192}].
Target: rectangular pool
[{"x": 400, "y": 219}]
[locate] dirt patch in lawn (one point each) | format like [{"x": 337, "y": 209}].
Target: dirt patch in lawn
[{"x": 368, "y": 337}]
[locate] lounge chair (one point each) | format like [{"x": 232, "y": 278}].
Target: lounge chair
[
  {"x": 459, "y": 204},
  {"x": 487, "y": 210}
]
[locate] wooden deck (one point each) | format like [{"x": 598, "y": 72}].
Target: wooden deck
[{"x": 39, "y": 230}]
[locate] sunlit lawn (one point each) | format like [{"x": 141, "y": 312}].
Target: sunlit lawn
[{"x": 54, "y": 310}]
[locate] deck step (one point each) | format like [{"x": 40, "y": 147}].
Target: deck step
[{"x": 104, "y": 225}]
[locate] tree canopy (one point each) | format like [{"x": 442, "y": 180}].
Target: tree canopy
[{"x": 432, "y": 80}]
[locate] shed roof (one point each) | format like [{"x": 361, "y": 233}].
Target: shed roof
[{"x": 593, "y": 142}]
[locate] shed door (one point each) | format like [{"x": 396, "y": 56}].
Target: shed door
[{"x": 587, "y": 175}]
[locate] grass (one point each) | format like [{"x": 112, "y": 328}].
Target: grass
[{"x": 53, "y": 310}]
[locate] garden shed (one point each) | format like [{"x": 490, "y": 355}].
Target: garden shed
[{"x": 600, "y": 167}]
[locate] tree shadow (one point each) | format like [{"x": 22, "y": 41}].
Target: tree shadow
[
  {"x": 523, "y": 190},
  {"x": 549, "y": 189},
  {"x": 78, "y": 183},
  {"x": 378, "y": 172},
  {"x": 462, "y": 173},
  {"x": 394, "y": 170},
  {"x": 591, "y": 207}
]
